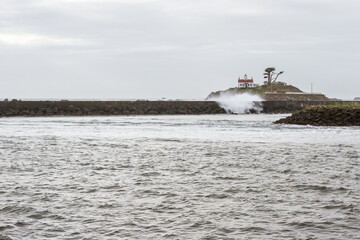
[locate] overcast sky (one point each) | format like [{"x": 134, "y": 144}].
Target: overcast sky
[{"x": 175, "y": 48}]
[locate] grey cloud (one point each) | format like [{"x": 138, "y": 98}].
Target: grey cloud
[{"x": 176, "y": 49}]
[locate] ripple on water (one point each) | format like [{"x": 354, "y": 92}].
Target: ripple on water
[{"x": 178, "y": 177}]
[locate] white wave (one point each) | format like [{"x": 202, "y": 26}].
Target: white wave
[{"x": 238, "y": 103}]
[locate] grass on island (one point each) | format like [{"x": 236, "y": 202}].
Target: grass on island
[
  {"x": 344, "y": 105},
  {"x": 263, "y": 89}
]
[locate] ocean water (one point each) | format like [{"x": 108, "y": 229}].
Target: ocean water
[{"x": 177, "y": 177}]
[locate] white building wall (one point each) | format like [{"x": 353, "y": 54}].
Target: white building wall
[{"x": 246, "y": 85}]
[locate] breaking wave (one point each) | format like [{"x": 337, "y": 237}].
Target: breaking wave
[{"x": 238, "y": 103}]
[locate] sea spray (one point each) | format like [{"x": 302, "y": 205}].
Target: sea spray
[{"x": 238, "y": 103}]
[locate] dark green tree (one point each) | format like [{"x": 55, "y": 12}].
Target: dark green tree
[{"x": 271, "y": 75}]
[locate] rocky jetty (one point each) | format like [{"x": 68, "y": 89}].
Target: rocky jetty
[
  {"x": 84, "y": 108},
  {"x": 333, "y": 115},
  {"x": 97, "y": 108}
]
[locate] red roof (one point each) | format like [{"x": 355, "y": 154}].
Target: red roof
[{"x": 246, "y": 81}]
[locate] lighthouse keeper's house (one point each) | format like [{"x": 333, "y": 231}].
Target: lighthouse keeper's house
[{"x": 246, "y": 82}]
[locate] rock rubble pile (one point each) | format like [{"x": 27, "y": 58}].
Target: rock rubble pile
[{"x": 325, "y": 116}]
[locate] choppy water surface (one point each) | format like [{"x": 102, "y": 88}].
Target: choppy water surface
[{"x": 177, "y": 177}]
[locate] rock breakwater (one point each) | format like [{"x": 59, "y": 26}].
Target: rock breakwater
[
  {"x": 342, "y": 115},
  {"x": 97, "y": 108},
  {"x": 84, "y": 108}
]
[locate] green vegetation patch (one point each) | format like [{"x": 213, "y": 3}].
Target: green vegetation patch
[{"x": 344, "y": 105}]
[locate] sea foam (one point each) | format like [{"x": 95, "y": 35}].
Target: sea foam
[{"x": 238, "y": 103}]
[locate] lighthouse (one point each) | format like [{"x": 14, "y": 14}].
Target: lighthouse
[{"x": 246, "y": 82}]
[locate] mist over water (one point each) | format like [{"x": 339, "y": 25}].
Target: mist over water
[
  {"x": 238, "y": 103},
  {"x": 177, "y": 177}
]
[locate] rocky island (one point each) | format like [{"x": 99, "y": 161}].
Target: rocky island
[
  {"x": 278, "y": 91},
  {"x": 270, "y": 90}
]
